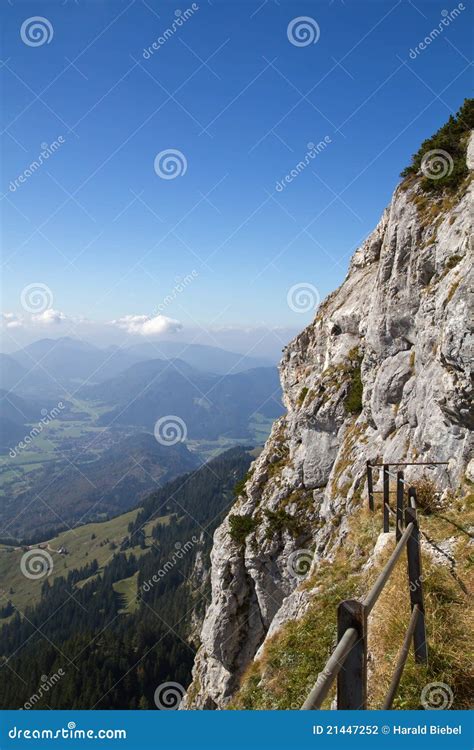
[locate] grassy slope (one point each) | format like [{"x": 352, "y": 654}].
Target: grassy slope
[
  {"x": 127, "y": 588},
  {"x": 82, "y": 549},
  {"x": 292, "y": 659}
]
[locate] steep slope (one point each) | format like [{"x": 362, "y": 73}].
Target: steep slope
[{"x": 381, "y": 373}]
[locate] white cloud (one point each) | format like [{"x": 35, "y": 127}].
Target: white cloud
[
  {"x": 10, "y": 320},
  {"x": 145, "y": 325},
  {"x": 49, "y": 317}
]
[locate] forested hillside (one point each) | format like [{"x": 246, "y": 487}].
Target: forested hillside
[{"x": 114, "y": 631}]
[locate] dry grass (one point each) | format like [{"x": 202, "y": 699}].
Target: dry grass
[
  {"x": 448, "y": 621},
  {"x": 428, "y": 497},
  {"x": 292, "y": 659},
  {"x": 289, "y": 667}
]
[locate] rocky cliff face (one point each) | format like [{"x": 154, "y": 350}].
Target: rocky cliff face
[{"x": 381, "y": 373}]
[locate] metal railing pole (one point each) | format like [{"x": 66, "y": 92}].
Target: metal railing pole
[
  {"x": 333, "y": 666},
  {"x": 399, "y": 518},
  {"x": 352, "y": 680},
  {"x": 415, "y": 578},
  {"x": 397, "y": 676},
  {"x": 370, "y": 486},
  {"x": 384, "y": 575},
  {"x": 386, "y": 498}
]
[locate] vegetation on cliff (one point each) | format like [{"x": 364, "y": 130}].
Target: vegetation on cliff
[{"x": 451, "y": 138}]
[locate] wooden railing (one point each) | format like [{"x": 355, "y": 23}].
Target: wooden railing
[
  {"x": 386, "y": 474},
  {"x": 348, "y": 663}
]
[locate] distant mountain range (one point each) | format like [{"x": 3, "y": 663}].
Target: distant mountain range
[
  {"x": 205, "y": 358},
  {"x": 47, "y": 365},
  {"x": 99, "y": 455},
  {"x": 211, "y": 405}
]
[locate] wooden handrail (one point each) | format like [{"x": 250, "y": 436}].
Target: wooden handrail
[
  {"x": 397, "y": 675},
  {"x": 408, "y": 463},
  {"x": 351, "y": 650},
  {"x": 377, "y": 588},
  {"x": 330, "y": 671}
]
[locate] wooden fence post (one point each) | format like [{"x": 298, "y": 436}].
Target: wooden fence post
[
  {"x": 415, "y": 579},
  {"x": 412, "y": 497},
  {"x": 370, "y": 485},
  {"x": 399, "y": 516},
  {"x": 352, "y": 679},
  {"x": 386, "y": 498}
]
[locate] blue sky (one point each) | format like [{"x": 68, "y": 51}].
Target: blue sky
[{"x": 111, "y": 240}]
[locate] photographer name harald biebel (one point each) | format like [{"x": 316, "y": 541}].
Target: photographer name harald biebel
[
  {"x": 397, "y": 729},
  {"x": 427, "y": 729}
]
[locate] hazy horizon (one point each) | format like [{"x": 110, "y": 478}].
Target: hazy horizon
[
  {"x": 223, "y": 202},
  {"x": 258, "y": 343}
]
